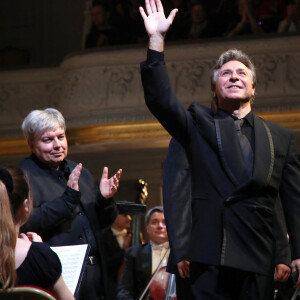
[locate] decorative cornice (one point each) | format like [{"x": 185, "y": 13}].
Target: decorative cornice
[{"x": 120, "y": 132}]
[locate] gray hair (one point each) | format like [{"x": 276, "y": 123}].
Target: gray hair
[
  {"x": 151, "y": 211},
  {"x": 229, "y": 55},
  {"x": 39, "y": 121}
]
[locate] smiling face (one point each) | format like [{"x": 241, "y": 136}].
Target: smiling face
[
  {"x": 156, "y": 228},
  {"x": 233, "y": 84},
  {"x": 51, "y": 147}
]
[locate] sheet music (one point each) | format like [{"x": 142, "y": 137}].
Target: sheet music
[{"x": 73, "y": 262}]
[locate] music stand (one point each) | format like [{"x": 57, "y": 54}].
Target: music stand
[{"x": 135, "y": 210}]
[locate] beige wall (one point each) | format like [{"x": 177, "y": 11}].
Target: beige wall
[{"x": 100, "y": 94}]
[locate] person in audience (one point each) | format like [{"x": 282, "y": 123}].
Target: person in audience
[
  {"x": 128, "y": 20},
  {"x": 292, "y": 21},
  {"x": 269, "y": 13},
  {"x": 24, "y": 259},
  {"x": 102, "y": 32},
  {"x": 116, "y": 240},
  {"x": 142, "y": 260},
  {"x": 225, "y": 16},
  {"x": 69, "y": 209},
  {"x": 248, "y": 23},
  {"x": 200, "y": 26}
]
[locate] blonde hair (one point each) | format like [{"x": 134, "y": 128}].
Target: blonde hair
[
  {"x": 39, "y": 121},
  {"x": 14, "y": 189},
  {"x": 8, "y": 239}
]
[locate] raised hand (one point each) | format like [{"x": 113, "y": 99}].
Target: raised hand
[
  {"x": 74, "y": 178},
  {"x": 108, "y": 187},
  {"x": 156, "y": 23}
]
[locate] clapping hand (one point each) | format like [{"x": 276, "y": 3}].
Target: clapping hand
[
  {"x": 74, "y": 178},
  {"x": 109, "y": 186}
]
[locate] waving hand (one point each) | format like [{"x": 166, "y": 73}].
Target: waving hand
[{"x": 156, "y": 23}]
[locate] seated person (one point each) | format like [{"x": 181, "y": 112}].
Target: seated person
[
  {"x": 199, "y": 26},
  {"x": 292, "y": 21},
  {"x": 116, "y": 240},
  {"x": 269, "y": 13},
  {"x": 141, "y": 261},
  {"x": 26, "y": 262},
  {"x": 101, "y": 32},
  {"x": 247, "y": 24}
]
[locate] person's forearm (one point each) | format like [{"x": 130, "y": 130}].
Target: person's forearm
[{"x": 157, "y": 43}]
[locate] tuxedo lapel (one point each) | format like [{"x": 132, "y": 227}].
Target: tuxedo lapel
[
  {"x": 264, "y": 152},
  {"x": 146, "y": 259},
  {"x": 230, "y": 150},
  {"x": 263, "y": 162}
]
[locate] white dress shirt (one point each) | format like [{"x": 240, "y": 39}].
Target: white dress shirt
[
  {"x": 159, "y": 252},
  {"x": 120, "y": 235}
]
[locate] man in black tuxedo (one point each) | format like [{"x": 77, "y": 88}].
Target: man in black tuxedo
[
  {"x": 141, "y": 261},
  {"x": 69, "y": 209},
  {"x": 233, "y": 192},
  {"x": 177, "y": 207}
]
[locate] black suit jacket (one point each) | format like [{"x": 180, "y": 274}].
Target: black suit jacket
[
  {"x": 136, "y": 273},
  {"x": 56, "y": 215},
  {"x": 232, "y": 215},
  {"x": 177, "y": 208}
]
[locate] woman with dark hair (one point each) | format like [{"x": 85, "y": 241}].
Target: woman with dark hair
[{"x": 24, "y": 260}]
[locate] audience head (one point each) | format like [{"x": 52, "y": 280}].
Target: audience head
[
  {"x": 122, "y": 222},
  {"x": 198, "y": 13},
  {"x": 44, "y": 131},
  {"x": 15, "y": 207},
  {"x": 233, "y": 55},
  {"x": 99, "y": 14},
  {"x": 20, "y": 196},
  {"x": 156, "y": 226}
]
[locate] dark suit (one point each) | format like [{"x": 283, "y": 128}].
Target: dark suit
[
  {"x": 136, "y": 273},
  {"x": 114, "y": 256},
  {"x": 177, "y": 208},
  {"x": 63, "y": 216},
  {"x": 232, "y": 215}
]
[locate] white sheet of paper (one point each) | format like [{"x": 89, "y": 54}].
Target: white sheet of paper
[{"x": 72, "y": 259}]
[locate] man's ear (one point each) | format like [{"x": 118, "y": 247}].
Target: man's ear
[{"x": 253, "y": 91}]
